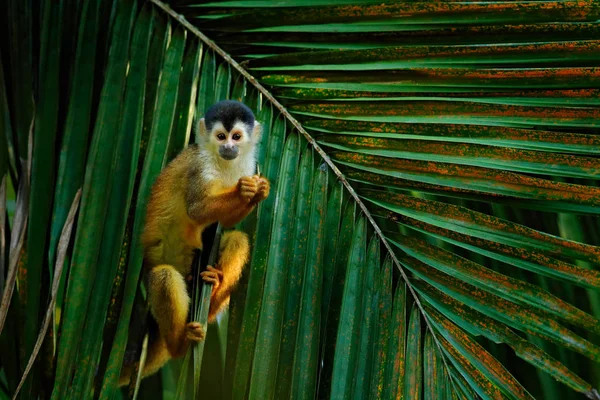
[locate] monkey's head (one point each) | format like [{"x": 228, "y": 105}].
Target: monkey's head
[{"x": 230, "y": 130}]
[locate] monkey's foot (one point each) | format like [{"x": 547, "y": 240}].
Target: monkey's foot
[
  {"x": 194, "y": 332},
  {"x": 248, "y": 187},
  {"x": 212, "y": 275}
]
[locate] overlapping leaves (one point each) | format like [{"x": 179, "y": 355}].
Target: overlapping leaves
[{"x": 470, "y": 131}]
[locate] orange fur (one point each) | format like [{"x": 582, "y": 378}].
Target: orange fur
[
  {"x": 234, "y": 252},
  {"x": 181, "y": 205},
  {"x": 157, "y": 356}
]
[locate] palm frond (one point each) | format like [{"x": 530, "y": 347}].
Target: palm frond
[{"x": 432, "y": 228}]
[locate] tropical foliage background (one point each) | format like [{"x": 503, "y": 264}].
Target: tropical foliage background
[{"x": 433, "y": 227}]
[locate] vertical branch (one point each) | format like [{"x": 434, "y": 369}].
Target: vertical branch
[{"x": 201, "y": 306}]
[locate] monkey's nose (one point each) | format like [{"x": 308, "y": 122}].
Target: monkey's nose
[{"x": 228, "y": 152}]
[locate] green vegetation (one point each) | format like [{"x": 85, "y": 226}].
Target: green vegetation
[{"x": 432, "y": 230}]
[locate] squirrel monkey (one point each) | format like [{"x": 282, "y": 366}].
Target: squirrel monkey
[{"x": 212, "y": 181}]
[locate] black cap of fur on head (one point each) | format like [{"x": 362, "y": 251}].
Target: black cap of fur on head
[{"x": 228, "y": 112}]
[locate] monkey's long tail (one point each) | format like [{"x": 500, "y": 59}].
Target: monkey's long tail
[{"x": 156, "y": 356}]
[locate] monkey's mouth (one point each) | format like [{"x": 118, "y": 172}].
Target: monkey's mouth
[{"x": 228, "y": 154}]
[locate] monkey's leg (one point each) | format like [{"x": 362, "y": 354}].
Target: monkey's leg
[
  {"x": 234, "y": 252},
  {"x": 169, "y": 304}
]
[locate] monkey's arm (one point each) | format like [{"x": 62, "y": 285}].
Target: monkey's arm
[
  {"x": 227, "y": 205},
  {"x": 234, "y": 252},
  {"x": 261, "y": 193}
]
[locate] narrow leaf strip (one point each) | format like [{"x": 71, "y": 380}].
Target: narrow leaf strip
[
  {"x": 32, "y": 289},
  {"x": 296, "y": 261},
  {"x": 121, "y": 187},
  {"x": 264, "y": 367},
  {"x": 156, "y": 155},
  {"x": 512, "y": 289},
  {"x": 476, "y": 379},
  {"x": 396, "y": 368},
  {"x": 534, "y": 261},
  {"x": 94, "y": 199},
  {"x": 63, "y": 243},
  {"x": 519, "y": 317},
  {"x": 222, "y": 82},
  {"x": 472, "y": 223},
  {"x": 334, "y": 219},
  {"x": 186, "y": 98},
  {"x": 480, "y": 324},
  {"x": 482, "y": 156},
  {"x": 260, "y": 253},
  {"x": 382, "y": 329},
  {"x": 434, "y": 78},
  {"x": 18, "y": 232},
  {"x": 71, "y": 168},
  {"x": 334, "y": 306},
  {"x": 434, "y": 375},
  {"x": 503, "y": 136},
  {"x": 481, "y": 360},
  {"x": 306, "y": 357},
  {"x": 457, "y": 179},
  {"x": 413, "y": 382},
  {"x": 206, "y": 90},
  {"x": 3, "y": 231},
  {"x": 362, "y": 376},
  {"x": 436, "y": 13},
  {"x": 348, "y": 330},
  {"x": 202, "y": 308}
]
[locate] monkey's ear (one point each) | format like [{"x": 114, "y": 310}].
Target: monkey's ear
[
  {"x": 202, "y": 129},
  {"x": 257, "y": 132}
]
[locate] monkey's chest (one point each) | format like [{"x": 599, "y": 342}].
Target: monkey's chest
[
  {"x": 229, "y": 175},
  {"x": 230, "y": 178},
  {"x": 192, "y": 234}
]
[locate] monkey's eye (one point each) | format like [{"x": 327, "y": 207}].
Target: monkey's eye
[
  {"x": 221, "y": 136},
  {"x": 236, "y": 136}
]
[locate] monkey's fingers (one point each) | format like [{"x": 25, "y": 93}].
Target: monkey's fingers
[
  {"x": 263, "y": 191},
  {"x": 248, "y": 188},
  {"x": 248, "y": 193},
  {"x": 264, "y": 186},
  {"x": 247, "y": 180},
  {"x": 215, "y": 269},
  {"x": 194, "y": 331},
  {"x": 211, "y": 277},
  {"x": 249, "y": 185}
]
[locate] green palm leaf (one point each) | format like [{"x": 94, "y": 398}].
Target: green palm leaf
[{"x": 432, "y": 229}]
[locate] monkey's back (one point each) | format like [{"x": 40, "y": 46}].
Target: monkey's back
[{"x": 169, "y": 235}]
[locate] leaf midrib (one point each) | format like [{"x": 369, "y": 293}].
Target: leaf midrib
[{"x": 265, "y": 93}]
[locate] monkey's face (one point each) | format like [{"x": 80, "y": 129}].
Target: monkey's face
[
  {"x": 230, "y": 137},
  {"x": 232, "y": 143}
]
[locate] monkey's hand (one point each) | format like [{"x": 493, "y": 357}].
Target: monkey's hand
[
  {"x": 212, "y": 275},
  {"x": 248, "y": 188},
  {"x": 263, "y": 190}
]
